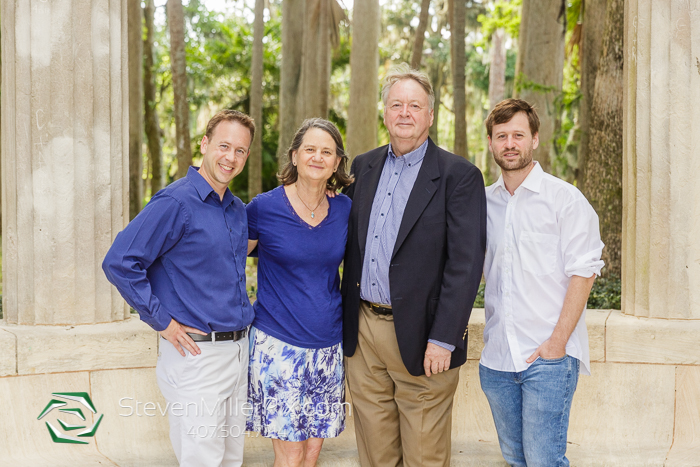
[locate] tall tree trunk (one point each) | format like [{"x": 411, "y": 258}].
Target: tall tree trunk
[
  {"x": 364, "y": 79},
  {"x": 290, "y": 72},
  {"x": 540, "y": 65},
  {"x": 437, "y": 77},
  {"x": 459, "y": 63},
  {"x": 497, "y": 90},
  {"x": 315, "y": 70},
  {"x": 589, "y": 52},
  {"x": 603, "y": 182},
  {"x": 256, "y": 96},
  {"x": 152, "y": 126},
  {"x": 135, "y": 31},
  {"x": 176, "y": 25},
  {"x": 420, "y": 34}
]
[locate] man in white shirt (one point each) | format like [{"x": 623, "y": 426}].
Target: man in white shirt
[{"x": 543, "y": 253}]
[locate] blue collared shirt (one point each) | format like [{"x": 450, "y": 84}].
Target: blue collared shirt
[
  {"x": 183, "y": 257},
  {"x": 395, "y": 185}
]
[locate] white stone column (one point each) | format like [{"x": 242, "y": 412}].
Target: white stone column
[
  {"x": 64, "y": 158},
  {"x": 661, "y": 189}
]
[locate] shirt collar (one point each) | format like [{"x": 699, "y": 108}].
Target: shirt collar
[
  {"x": 534, "y": 179},
  {"x": 204, "y": 189},
  {"x": 414, "y": 157},
  {"x": 532, "y": 182}
]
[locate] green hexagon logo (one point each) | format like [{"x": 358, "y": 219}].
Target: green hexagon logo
[{"x": 60, "y": 436}]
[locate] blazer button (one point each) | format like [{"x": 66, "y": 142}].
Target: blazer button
[{"x": 358, "y": 284}]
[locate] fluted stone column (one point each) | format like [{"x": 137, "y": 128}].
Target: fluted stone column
[
  {"x": 64, "y": 158},
  {"x": 661, "y": 189}
]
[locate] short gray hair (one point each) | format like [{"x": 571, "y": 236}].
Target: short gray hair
[{"x": 402, "y": 72}]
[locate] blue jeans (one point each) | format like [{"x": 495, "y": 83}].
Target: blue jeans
[{"x": 531, "y": 410}]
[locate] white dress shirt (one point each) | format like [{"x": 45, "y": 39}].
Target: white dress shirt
[{"x": 536, "y": 240}]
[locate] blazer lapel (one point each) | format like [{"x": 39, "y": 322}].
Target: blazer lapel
[
  {"x": 367, "y": 188},
  {"x": 422, "y": 192}
]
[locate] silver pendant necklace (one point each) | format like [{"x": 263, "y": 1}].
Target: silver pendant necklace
[{"x": 313, "y": 215}]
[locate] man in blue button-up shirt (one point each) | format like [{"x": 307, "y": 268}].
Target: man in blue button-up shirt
[{"x": 181, "y": 264}]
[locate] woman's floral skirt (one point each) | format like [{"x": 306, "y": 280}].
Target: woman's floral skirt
[{"x": 295, "y": 393}]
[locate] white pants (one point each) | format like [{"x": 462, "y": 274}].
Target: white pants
[{"x": 205, "y": 395}]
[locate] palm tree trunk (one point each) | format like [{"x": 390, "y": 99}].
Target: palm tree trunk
[
  {"x": 603, "y": 182},
  {"x": 417, "y": 54},
  {"x": 364, "y": 79},
  {"x": 134, "y": 31},
  {"x": 593, "y": 30},
  {"x": 256, "y": 95},
  {"x": 176, "y": 24},
  {"x": 152, "y": 126},
  {"x": 540, "y": 65},
  {"x": 459, "y": 63},
  {"x": 290, "y": 72}
]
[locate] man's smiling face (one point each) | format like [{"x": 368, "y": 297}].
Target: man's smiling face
[
  {"x": 407, "y": 116},
  {"x": 225, "y": 154}
]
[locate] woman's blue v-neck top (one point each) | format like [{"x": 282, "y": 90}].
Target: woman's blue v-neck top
[{"x": 298, "y": 298}]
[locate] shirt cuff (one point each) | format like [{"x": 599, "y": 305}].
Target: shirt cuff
[
  {"x": 158, "y": 322},
  {"x": 449, "y": 347}
]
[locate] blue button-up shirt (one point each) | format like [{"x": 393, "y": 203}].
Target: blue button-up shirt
[
  {"x": 183, "y": 258},
  {"x": 395, "y": 185}
]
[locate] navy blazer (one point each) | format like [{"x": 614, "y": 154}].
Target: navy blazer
[{"x": 438, "y": 258}]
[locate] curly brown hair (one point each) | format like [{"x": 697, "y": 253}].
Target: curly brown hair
[{"x": 288, "y": 173}]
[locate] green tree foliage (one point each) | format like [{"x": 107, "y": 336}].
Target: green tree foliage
[
  {"x": 218, "y": 49},
  {"x": 505, "y": 14}
]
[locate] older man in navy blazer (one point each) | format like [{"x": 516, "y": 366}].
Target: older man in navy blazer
[{"x": 414, "y": 258}]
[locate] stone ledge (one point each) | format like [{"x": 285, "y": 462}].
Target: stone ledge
[
  {"x": 54, "y": 349},
  {"x": 623, "y": 415},
  {"x": 8, "y": 350},
  {"x": 631, "y": 339}
]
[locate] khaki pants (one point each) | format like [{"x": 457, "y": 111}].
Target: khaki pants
[{"x": 400, "y": 419}]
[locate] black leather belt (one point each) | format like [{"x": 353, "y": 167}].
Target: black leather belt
[
  {"x": 219, "y": 336},
  {"x": 384, "y": 310}
]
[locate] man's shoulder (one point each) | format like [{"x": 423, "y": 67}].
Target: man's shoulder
[
  {"x": 176, "y": 196},
  {"x": 366, "y": 157},
  {"x": 453, "y": 165},
  {"x": 177, "y": 190},
  {"x": 561, "y": 189}
]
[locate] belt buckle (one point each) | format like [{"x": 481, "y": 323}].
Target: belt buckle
[{"x": 213, "y": 337}]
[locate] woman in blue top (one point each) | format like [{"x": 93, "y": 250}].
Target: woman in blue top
[{"x": 295, "y": 378}]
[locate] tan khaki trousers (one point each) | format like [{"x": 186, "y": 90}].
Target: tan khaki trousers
[{"x": 400, "y": 419}]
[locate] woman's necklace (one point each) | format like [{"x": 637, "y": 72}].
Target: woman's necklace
[{"x": 313, "y": 215}]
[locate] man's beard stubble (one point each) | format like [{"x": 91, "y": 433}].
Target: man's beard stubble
[{"x": 524, "y": 160}]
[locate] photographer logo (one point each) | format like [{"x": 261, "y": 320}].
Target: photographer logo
[{"x": 61, "y": 401}]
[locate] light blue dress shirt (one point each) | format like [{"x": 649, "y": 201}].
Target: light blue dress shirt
[{"x": 395, "y": 184}]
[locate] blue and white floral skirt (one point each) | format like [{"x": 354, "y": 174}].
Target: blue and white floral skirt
[{"x": 295, "y": 393}]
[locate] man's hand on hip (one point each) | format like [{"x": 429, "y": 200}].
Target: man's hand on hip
[
  {"x": 436, "y": 359},
  {"x": 176, "y": 334}
]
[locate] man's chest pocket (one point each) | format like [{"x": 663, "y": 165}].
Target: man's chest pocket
[{"x": 538, "y": 252}]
